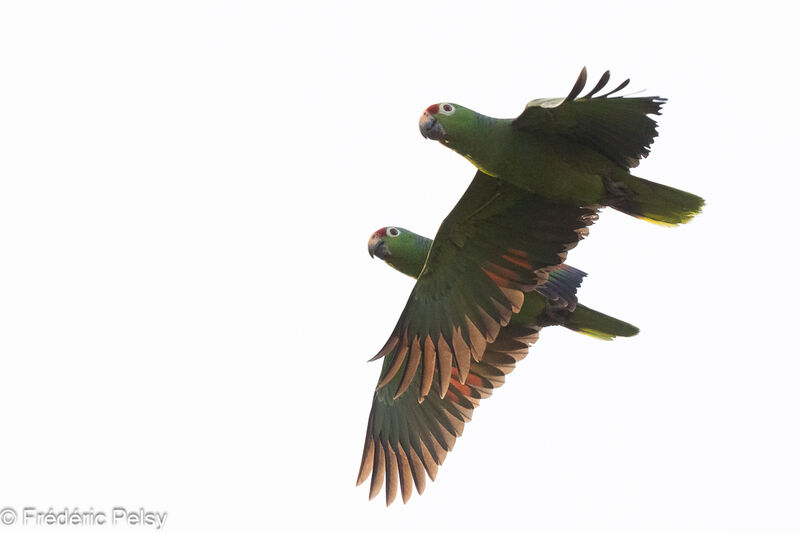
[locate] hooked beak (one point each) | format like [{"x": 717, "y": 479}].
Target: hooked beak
[
  {"x": 430, "y": 128},
  {"x": 377, "y": 247}
]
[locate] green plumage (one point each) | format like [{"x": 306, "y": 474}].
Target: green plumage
[{"x": 576, "y": 151}]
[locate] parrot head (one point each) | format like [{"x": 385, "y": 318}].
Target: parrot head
[
  {"x": 377, "y": 245},
  {"x": 401, "y": 249},
  {"x": 439, "y": 122},
  {"x": 381, "y": 242}
]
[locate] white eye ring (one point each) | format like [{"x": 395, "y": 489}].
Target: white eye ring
[
  {"x": 392, "y": 232},
  {"x": 447, "y": 109}
]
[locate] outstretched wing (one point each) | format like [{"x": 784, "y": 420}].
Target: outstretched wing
[
  {"x": 497, "y": 243},
  {"x": 618, "y": 127},
  {"x": 407, "y": 439}
]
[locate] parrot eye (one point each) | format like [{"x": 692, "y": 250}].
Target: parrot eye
[
  {"x": 447, "y": 109},
  {"x": 393, "y": 232}
]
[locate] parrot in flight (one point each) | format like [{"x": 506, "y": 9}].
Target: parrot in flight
[
  {"x": 576, "y": 150},
  {"x": 406, "y": 438}
]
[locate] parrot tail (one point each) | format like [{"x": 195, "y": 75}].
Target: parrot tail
[
  {"x": 654, "y": 202},
  {"x": 596, "y": 324}
]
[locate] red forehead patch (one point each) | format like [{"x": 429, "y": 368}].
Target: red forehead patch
[
  {"x": 380, "y": 233},
  {"x": 433, "y": 109}
]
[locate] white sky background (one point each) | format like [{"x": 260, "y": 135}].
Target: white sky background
[{"x": 187, "y": 304}]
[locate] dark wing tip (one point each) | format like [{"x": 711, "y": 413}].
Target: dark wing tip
[
  {"x": 580, "y": 83},
  {"x": 619, "y": 88},
  {"x": 600, "y": 84},
  {"x": 387, "y": 348}
]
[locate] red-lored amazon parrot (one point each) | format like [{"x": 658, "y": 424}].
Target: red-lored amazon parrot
[
  {"x": 406, "y": 438},
  {"x": 573, "y": 150}
]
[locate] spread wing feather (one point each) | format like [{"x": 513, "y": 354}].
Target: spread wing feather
[
  {"x": 618, "y": 127},
  {"x": 407, "y": 439},
  {"x": 497, "y": 243}
]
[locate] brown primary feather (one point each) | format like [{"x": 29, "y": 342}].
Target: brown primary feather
[
  {"x": 503, "y": 311},
  {"x": 405, "y": 474},
  {"x": 392, "y": 475},
  {"x": 400, "y": 358},
  {"x": 369, "y": 453},
  {"x": 428, "y": 367},
  {"x": 517, "y": 298},
  {"x": 411, "y": 367},
  {"x": 417, "y": 470},
  {"x": 436, "y": 442},
  {"x": 387, "y": 348},
  {"x": 477, "y": 340},
  {"x": 462, "y": 354},
  {"x": 491, "y": 326},
  {"x": 445, "y": 365},
  {"x": 378, "y": 470},
  {"x": 429, "y": 461}
]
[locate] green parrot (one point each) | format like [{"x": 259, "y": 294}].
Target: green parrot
[
  {"x": 573, "y": 150},
  {"x": 406, "y": 438}
]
